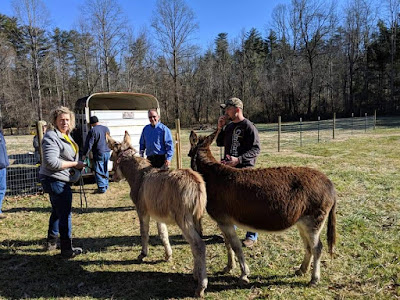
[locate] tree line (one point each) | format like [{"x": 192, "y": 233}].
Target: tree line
[{"x": 313, "y": 60}]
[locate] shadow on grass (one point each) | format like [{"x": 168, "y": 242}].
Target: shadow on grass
[
  {"x": 43, "y": 276},
  {"x": 47, "y": 276},
  {"x": 99, "y": 244},
  {"x": 76, "y": 210},
  {"x": 221, "y": 282}
]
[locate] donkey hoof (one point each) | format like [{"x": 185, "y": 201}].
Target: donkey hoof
[
  {"x": 243, "y": 280},
  {"x": 227, "y": 270},
  {"x": 313, "y": 282},
  {"x": 299, "y": 272},
  {"x": 199, "y": 293},
  {"x": 141, "y": 256},
  {"x": 168, "y": 258}
]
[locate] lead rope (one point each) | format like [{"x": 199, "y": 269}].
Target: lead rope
[{"x": 82, "y": 192}]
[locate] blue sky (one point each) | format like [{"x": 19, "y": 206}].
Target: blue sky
[{"x": 213, "y": 16}]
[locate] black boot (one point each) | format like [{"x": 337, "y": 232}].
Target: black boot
[
  {"x": 51, "y": 243},
  {"x": 67, "y": 251}
]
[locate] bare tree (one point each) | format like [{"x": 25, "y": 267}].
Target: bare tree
[
  {"x": 286, "y": 63},
  {"x": 61, "y": 41},
  {"x": 315, "y": 20},
  {"x": 34, "y": 16},
  {"x": 12, "y": 86},
  {"x": 357, "y": 31},
  {"x": 174, "y": 24},
  {"x": 203, "y": 101},
  {"x": 139, "y": 62},
  {"x": 84, "y": 54},
  {"x": 7, "y": 56},
  {"x": 108, "y": 25},
  {"x": 393, "y": 8}
]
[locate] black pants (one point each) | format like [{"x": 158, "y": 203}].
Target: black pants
[{"x": 157, "y": 161}]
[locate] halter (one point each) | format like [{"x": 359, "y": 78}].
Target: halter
[
  {"x": 124, "y": 154},
  {"x": 194, "y": 160}
]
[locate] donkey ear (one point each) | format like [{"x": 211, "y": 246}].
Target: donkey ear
[
  {"x": 110, "y": 141},
  {"x": 127, "y": 138},
  {"x": 193, "y": 138},
  {"x": 126, "y": 143},
  {"x": 209, "y": 139}
]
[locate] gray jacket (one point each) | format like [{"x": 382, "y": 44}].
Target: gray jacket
[{"x": 57, "y": 149}]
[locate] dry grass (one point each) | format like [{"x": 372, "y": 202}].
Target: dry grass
[{"x": 364, "y": 168}]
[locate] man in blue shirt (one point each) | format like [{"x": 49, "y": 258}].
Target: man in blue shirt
[
  {"x": 96, "y": 141},
  {"x": 156, "y": 142},
  {"x": 3, "y": 171}
]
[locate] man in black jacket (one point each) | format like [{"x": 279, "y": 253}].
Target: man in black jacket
[{"x": 240, "y": 139}]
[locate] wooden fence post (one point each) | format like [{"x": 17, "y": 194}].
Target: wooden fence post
[
  {"x": 352, "y": 122},
  {"x": 301, "y": 132},
  {"x": 279, "y": 133},
  {"x": 178, "y": 144},
  {"x": 39, "y": 133},
  {"x": 334, "y": 125}
]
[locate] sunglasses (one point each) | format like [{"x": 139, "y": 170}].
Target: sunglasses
[{"x": 152, "y": 117}]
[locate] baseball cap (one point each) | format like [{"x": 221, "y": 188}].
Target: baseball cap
[
  {"x": 93, "y": 119},
  {"x": 235, "y": 102}
]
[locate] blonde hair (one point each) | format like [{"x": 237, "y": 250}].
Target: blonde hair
[{"x": 59, "y": 111}]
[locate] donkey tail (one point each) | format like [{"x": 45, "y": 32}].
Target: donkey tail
[{"x": 331, "y": 233}]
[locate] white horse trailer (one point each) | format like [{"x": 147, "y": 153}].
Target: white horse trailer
[{"x": 119, "y": 111}]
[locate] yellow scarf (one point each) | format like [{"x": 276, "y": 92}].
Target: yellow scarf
[{"x": 74, "y": 145}]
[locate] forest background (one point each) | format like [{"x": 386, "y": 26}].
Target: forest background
[{"x": 316, "y": 59}]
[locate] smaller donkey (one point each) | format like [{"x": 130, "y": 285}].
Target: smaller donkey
[{"x": 170, "y": 197}]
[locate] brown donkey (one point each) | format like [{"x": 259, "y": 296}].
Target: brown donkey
[
  {"x": 267, "y": 199},
  {"x": 170, "y": 197}
]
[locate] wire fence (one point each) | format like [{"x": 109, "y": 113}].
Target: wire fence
[
  {"x": 292, "y": 134},
  {"x": 23, "y": 175}
]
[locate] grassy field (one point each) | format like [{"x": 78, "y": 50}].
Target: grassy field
[{"x": 364, "y": 168}]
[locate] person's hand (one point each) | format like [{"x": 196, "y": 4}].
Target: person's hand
[
  {"x": 230, "y": 161},
  {"x": 165, "y": 166},
  {"x": 80, "y": 165},
  {"x": 221, "y": 121}
]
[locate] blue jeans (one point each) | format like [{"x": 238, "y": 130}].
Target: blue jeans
[
  {"x": 61, "y": 206},
  {"x": 3, "y": 185},
  {"x": 251, "y": 235},
  {"x": 101, "y": 167}
]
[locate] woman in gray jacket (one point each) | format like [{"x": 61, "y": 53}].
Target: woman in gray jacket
[{"x": 60, "y": 164}]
